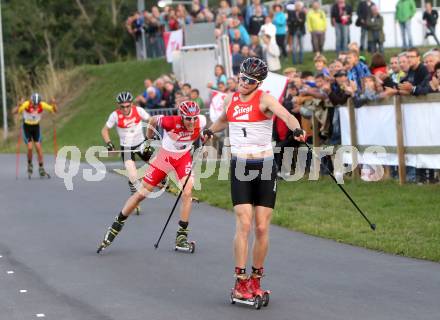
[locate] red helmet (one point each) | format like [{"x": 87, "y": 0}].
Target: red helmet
[{"x": 189, "y": 109}]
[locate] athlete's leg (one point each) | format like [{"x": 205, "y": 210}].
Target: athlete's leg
[
  {"x": 243, "y": 218},
  {"x": 243, "y": 224},
  {"x": 185, "y": 211},
  {"x": 39, "y": 153},
  {"x": 133, "y": 182},
  {"x": 29, "y": 151},
  {"x": 128, "y": 208},
  {"x": 185, "y": 208},
  {"x": 136, "y": 198},
  {"x": 263, "y": 216},
  {"x": 130, "y": 166},
  {"x": 260, "y": 248},
  {"x": 30, "y": 167}
]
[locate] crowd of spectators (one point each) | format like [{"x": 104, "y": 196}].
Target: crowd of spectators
[
  {"x": 277, "y": 31},
  {"x": 349, "y": 76},
  {"x": 256, "y": 30}
]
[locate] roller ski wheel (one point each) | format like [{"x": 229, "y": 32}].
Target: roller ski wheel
[
  {"x": 231, "y": 297},
  {"x": 188, "y": 247},
  {"x": 43, "y": 173},
  {"x": 266, "y": 298},
  {"x": 111, "y": 234},
  {"x": 102, "y": 246},
  {"x": 258, "y": 302}
]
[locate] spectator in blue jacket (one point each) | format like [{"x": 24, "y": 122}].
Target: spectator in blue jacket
[
  {"x": 280, "y": 22},
  {"x": 242, "y": 33},
  {"x": 357, "y": 70}
]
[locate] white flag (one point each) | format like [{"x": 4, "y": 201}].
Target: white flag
[
  {"x": 275, "y": 84},
  {"x": 216, "y": 106},
  {"x": 173, "y": 41}
]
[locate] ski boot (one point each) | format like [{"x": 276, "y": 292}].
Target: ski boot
[
  {"x": 111, "y": 234},
  {"x": 182, "y": 243},
  {"x": 255, "y": 286},
  {"x": 43, "y": 173},
  {"x": 30, "y": 169},
  {"x": 241, "y": 294}
]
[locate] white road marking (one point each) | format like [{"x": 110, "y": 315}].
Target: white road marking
[
  {"x": 1, "y": 256},
  {"x": 23, "y": 291},
  {"x": 10, "y": 272},
  {"x": 40, "y": 315}
]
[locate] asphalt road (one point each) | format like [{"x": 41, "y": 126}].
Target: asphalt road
[{"x": 49, "y": 235}]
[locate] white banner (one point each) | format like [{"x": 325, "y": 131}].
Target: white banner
[
  {"x": 377, "y": 126},
  {"x": 275, "y": 84},
  {"x": 173, "y": 41}
]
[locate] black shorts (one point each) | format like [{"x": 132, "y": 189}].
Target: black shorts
[
  {"x": 131, "y": 155},
  {"x": 254, "y": 182},
  {"x": 31, "y": 132}
]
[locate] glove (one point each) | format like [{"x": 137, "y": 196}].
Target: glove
[
  {"x": 110, "y": 146},
  {"x": 298, "y": 133},
  {"x": 207, "y": 133},
  {"x": 146, "y": 150}
]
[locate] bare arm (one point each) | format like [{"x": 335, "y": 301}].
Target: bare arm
[
  {"x": 105, "y": 134},
  {"x": 152, "y": 124},
  {"x": 271, "y": 104},
  {"x": 222, "y": 122}
]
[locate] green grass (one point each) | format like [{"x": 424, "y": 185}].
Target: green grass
[{"x": 407, "y": 217}]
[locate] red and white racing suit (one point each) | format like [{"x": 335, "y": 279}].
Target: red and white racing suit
[{"x": 175, "y": 151}]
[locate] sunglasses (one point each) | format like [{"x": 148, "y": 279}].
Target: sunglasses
[
  {"x": 190, "y": 118},
  {"x": 248, "y": 80}
]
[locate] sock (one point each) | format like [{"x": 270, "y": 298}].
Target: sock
[
  {"x": 183, "y": 224},
  {"x": 121, "y": 217},
  {"x": 29, "y": 161},
  {"x": 41, "y": 164}
]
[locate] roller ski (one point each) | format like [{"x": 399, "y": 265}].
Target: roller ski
[
  {"x": 30, "y": 170},
  {"x": 111, "y": 234},
  {"x": 43, "y": 173},
  {"x": 182, "y": 243},
  {"x": 248, "y": 291}
]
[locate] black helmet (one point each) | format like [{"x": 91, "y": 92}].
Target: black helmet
[
  {"x": 255, "y": 68},
  {"x": 36, "y": 98},
  {"x": 124, "y": 96}
]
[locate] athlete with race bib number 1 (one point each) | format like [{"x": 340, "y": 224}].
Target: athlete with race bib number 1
[
  {"x": 174, "y": 155},
  {"x": 249, "y": 113}
]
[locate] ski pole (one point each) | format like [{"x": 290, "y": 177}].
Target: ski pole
[
  {"x": 55, "y": 145},
  {"x": 17, "y": 156},
  {"x": 156, "y": 245},
  {"x": 372, "y": 225}
]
